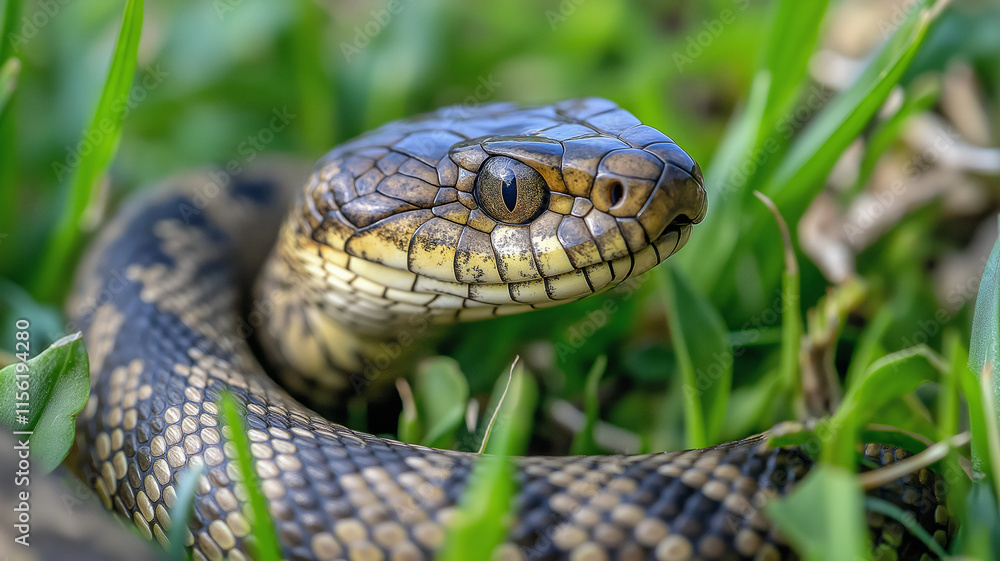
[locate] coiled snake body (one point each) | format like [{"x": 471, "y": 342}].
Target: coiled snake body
[{"x": 461, "y": 214}]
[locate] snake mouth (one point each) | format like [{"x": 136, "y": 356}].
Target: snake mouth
[
  {"x": 682, "y": 221},
  {"x": 686, "y": 189},
  {"x": 679, "y": 229},
  {"x": 670, "y": 241},
  {"x": 682, "y": 228},
  {"x": 674, "y": 237}
]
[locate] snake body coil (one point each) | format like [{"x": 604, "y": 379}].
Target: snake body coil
[{"x": 461, "y": 214}]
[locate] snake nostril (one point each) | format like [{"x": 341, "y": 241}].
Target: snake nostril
[{"x": 617, "y": 193}]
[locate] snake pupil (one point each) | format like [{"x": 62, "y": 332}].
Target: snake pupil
[{"x": 509, "y": 190}]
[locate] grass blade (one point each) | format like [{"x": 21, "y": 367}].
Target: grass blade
[
  {"x": 984, "y": 348},
  {"x": 799, "y": 175},
  {"x": 811, "y": 158},
  {"x": 496, "y": 410},
  {"x": 9, "y": 72},
  {"x": 583, "y": 441},
  {"x": 987, "y": 384},
  {"x": 985, "y": 345},
  {"x": 483, "y": 516},
  {"x": 888, "y": 378},
  {"x": 978, "y": 422},
  {"x": 949, "y": 411},
  {"x": 776, "y": 83},
  {"x": 182, "y": 512},
  {"x": 317, "y": 99},
  {"x": 706, "y": 257},
  {"x": 920, "y": 97},
  {"x": 266, "y": 541},
  {"x": 44, "y": 394},
  {"x": 436, "y": 405},
  {"x": 8, "y": 144},
  {"x": 481, "y": 519},
  {"x": 705, "y": 360},
  {"x": 981, "y": 539},
  {"x": 409, "y": 429},
  {"x": 103, "y": 133},
  {"x": 12, "y": 9},
  {"x": 869, "y": 346},
  {"x": 795, "y": 23},
  {"x": 791, "y": 315},
  {"x": 948, "y": 406},
  {"x": 874, "y": 504},
  {"x": 823, "y": 517}
]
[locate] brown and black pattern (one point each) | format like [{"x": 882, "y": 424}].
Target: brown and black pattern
[{"x": 388, "y": 228}]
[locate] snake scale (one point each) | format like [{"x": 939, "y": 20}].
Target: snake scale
[{"x": 461, "y": 214}]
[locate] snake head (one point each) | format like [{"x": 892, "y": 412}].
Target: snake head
[{"x": 470, "y": 212}]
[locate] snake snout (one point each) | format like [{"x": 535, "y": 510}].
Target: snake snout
[
  {"x": 686, "y": 191},
  {"x": 678, "y": 199}
]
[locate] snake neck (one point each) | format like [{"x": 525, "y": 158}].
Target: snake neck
[{"x": 326, "y": 327}]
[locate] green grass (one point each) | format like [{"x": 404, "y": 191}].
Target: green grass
[
  {"x": 8, "y": 159},
  {"x": 484, "y": 516},
  {"x": 98, "y": 146},
  {"x": 183, "y": 510},
  {"x": 42, "y": 392},
  {"x": 437, "y": 406},
  {"x": 265, "y": 540},
  {"x": 727, "y": 310},
  {"x": 584, "y": 441},
  {"x": 700, "y": 341}
]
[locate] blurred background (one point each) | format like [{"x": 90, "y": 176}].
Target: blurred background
[{"x": 900, "y": 232}]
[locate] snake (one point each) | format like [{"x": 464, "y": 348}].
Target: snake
[{"x": 239, "y": 279}]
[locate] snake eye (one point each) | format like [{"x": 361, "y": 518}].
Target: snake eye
[{"x": 510, "y": 191}]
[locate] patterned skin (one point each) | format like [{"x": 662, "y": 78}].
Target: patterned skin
[{"x": 396, "y": 225}]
